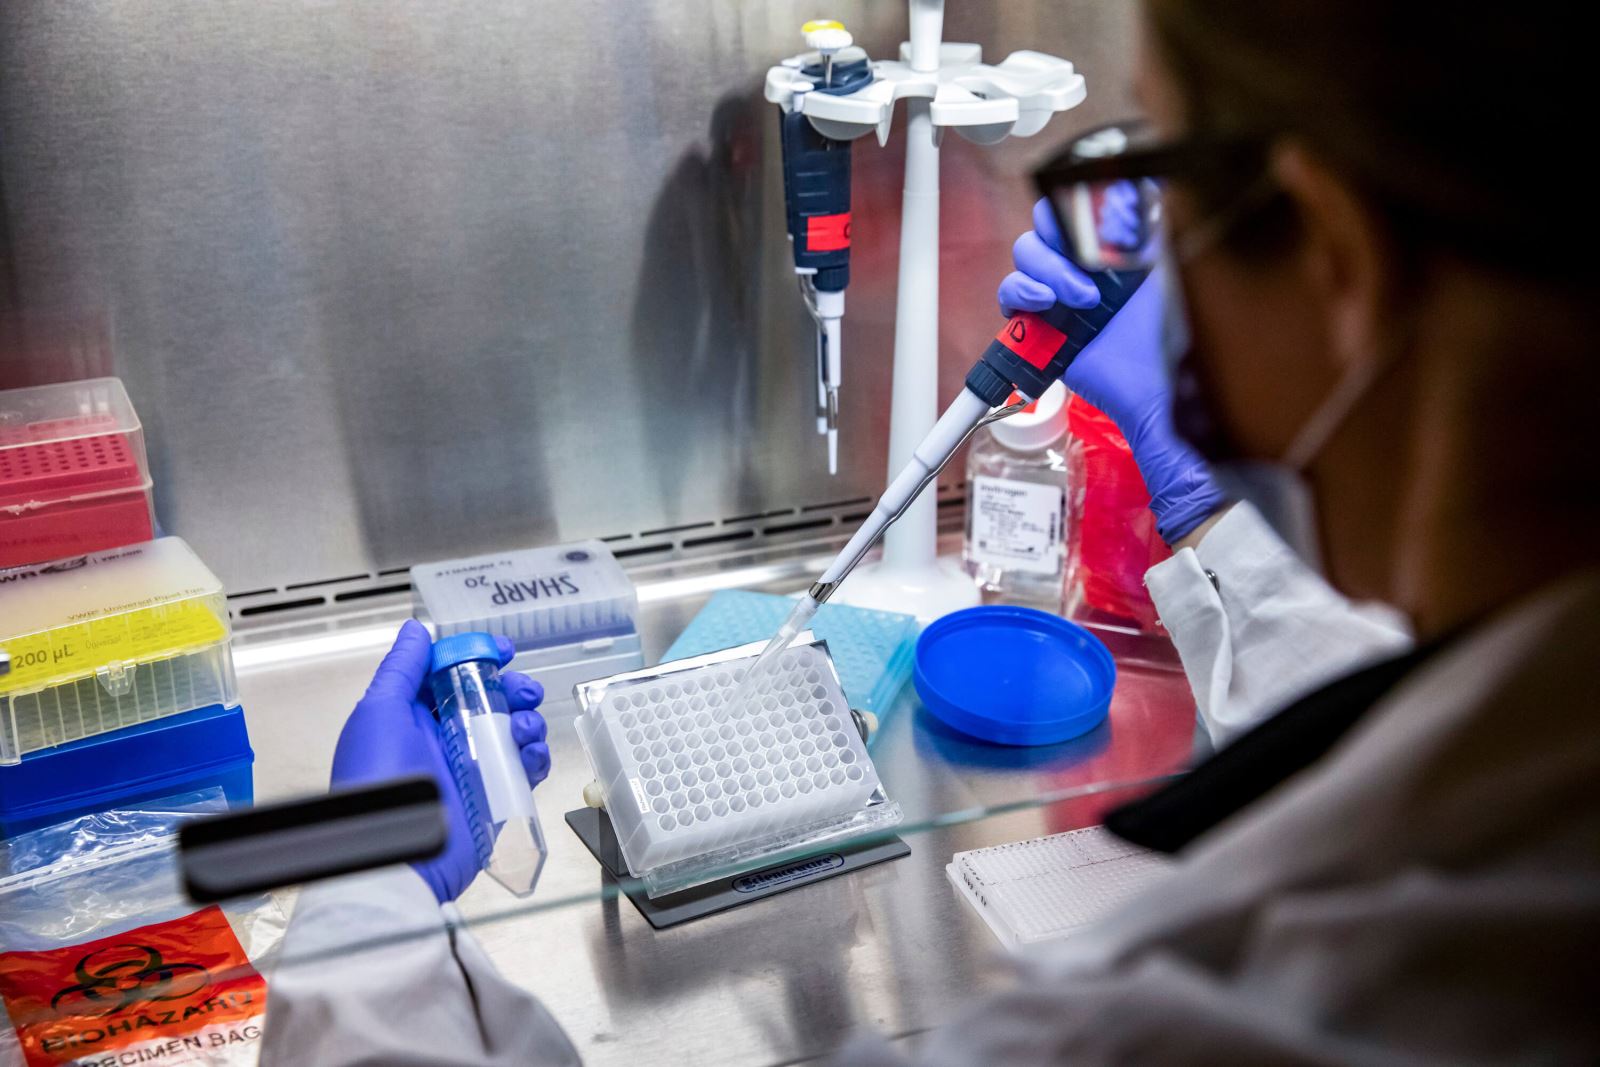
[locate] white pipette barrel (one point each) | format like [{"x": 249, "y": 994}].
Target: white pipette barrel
[
  {"x": 954, "y": 426},
  {"x": 830, "y": 312},
  {"x": 947, "y": 435},
  {"x": 1030, "y": 353}
]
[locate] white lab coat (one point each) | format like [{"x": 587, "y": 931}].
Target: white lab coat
[
  {"x": 373, "y": 972},
  {"x": 1426, "y": 893},
  {"x": 1268, "y": 631}
]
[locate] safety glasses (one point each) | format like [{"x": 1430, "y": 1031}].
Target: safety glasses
[{"x": 1105, "y": 187}]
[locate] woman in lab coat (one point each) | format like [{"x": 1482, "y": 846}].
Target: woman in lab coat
[{"x": 1402, "y": 862}]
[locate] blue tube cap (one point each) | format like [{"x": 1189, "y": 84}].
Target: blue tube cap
[
  {"x": 1014, "y": 676},
  {"x": 457, "y": 649}
]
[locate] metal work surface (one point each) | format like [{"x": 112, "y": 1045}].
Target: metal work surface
[
  {"x": 399, "y": 281},
  {"x": 891, "y": 947}
]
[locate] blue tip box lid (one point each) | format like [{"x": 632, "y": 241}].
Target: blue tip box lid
[
  {"x": 457, "y": 649},
  {"x": 1014, "y": 676},
  {"x": 174, "y": 754}
]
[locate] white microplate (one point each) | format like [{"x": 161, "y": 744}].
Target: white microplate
[
  {"x": 1046, "y": 888},
  {"x": 678, "y": 784}
]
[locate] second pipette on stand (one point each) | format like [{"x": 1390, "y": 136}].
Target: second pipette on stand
[{"x": 816, "y": 185}]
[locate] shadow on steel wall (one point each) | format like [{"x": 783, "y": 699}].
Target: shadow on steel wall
[{"x": 393, "y": 282}]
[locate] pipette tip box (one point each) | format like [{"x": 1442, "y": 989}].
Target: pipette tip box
[
  {"x": 873, "y": 651},
  {"x": 569, "y": 609},
  {"x": 200, "y": 749},
  {"x": 1047, "y": 888},
  {"x": 74, "y": 477},
  {"x": 109, "y": 640},
  {"x": 697, "y": 787}
]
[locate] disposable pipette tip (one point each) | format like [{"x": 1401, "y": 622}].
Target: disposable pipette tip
[
  {"x": 797, "y": 621},
  {"x": 833, "y": 451}
]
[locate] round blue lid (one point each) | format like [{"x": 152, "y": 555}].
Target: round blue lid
[
  {"x": 457, "y": 649},
  {"x": 1014, "y": 676}
]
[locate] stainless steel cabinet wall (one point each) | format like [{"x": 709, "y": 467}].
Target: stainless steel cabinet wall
[{"x": 395, "y": 280}]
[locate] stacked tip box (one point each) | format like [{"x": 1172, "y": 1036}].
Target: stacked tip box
[
  {"x": 537, "y": 597},
  {"x": 568, "y": 609},
  {"x": 73, "y": 472},
  {"x": 109, "y": 640},
  {"x": 679, "y": 783}
]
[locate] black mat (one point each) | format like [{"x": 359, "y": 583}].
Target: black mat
[{"x": 594, "y": 830}]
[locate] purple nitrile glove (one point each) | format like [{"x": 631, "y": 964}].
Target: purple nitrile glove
[
  {"x": 1119, "y": 216},
  {"x": 1120, "y": 372},
  {"x": 392, "y": 733}
]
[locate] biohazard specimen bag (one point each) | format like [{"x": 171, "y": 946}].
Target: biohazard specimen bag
[{"x": 105, "y": 962}]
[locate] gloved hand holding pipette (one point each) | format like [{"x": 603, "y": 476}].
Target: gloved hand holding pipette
[
  {"x": 392, "y": 733},
  {"x": 1056, "y": 319},
  {"x": 1120, "y": 372}
]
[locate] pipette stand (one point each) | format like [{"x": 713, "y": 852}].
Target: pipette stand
[{"x": 944, "y": 86}]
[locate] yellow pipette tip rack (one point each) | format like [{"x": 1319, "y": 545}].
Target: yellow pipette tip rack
[{"x": 113, "y": 639}]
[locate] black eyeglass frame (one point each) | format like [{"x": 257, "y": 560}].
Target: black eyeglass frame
[
  {"x": 1198, "y": 156},
  {"x": 1235, "y": 162},
  {"x": 1484, "y": 233}
]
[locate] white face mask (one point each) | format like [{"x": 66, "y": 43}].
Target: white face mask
[{"x": 1278, "y": 489}]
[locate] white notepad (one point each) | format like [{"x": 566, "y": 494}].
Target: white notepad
[{"x": 1049, "y": 887}]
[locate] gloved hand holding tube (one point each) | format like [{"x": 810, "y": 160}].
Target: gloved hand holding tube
[
  {"x": 392, "y": 733},
  {"x": 1120, "y": 372}
]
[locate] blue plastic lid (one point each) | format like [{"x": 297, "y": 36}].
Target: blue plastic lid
[
  {"x": 457, "y": 649},
  {"x": 100, "y": 770},
  {"x": 1014, "y": 676}
]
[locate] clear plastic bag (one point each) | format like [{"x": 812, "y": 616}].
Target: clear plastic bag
[{"x": 103, "y": 959}]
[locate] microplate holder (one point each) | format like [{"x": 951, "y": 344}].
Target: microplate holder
[
  {"x": 766, "y": 785},
  {"x": 569, "y": 609},
  {"x": 109, "y": 640}
]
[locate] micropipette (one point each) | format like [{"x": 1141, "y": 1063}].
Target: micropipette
[
  {"x": 1030, "y": 353},
  {"x": 816, "y": 187}
]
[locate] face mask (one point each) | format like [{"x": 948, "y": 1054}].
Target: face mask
[{"x": 1278, "y": 489}]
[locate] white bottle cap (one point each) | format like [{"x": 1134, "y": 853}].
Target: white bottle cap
[{"x": 1037, "y": 426}]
